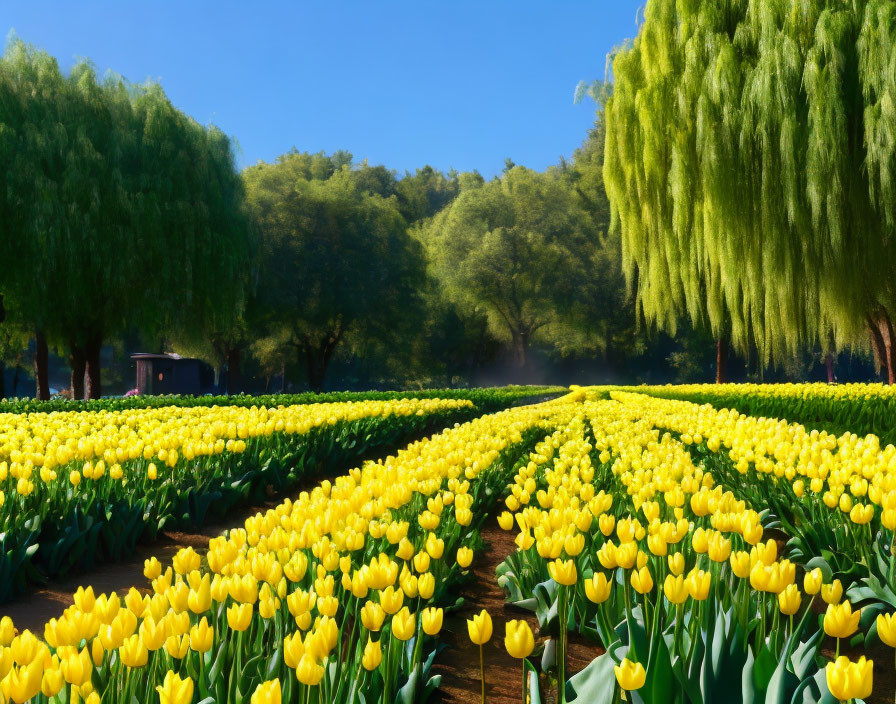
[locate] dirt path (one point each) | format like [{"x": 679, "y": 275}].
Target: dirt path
[
  {"x": 34, "y": 609},
  {"x": 459, "y": 663}
]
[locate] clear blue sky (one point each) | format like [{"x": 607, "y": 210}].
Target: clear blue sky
[{"x": 452, "y": 83}]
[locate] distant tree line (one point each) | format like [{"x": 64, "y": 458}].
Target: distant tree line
[{"x": 123, "y": 218}]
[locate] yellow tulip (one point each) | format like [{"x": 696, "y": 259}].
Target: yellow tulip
[
  {"x": 200, "y": 600},
  {"x": 239, "y": 616},
  {"x": 519, "y": 640},
  {"x": 309, "y": 672},
  {"x": 186, "y": 560},
  {"x": 24, "y": 682},
  {"x": 152, "y": 634},
  {"x": 293, "y": 650},
  {"x": 404, "y": 624},
  {"x": 202, "y": 636},
  {"x": 740, "y": 563},
  {"x": 372, "y": 616},
  {"x": 642, "y": 581},
  {"x": 563, "y": 572},
  {"x": 847, "y": 680},
  {"x": 392, "y": 599},
  {"x": 676, "y": 563},
  {"x": 178, "y": 646},
  {"x": 52, "y": 682},
  {"x": 7, "y": 631},
  {"x": 597, "y": 589},
  {"x": 479, "y": 628},
  {"x": 505, "y": 520},
  {"x": 152, "y": 568},
  {"x": 812, "y": 581},
  {"x": 789, "y": 600},
  {"x": 426, "y": 585},
  {"x": 698, "y": 583},
  {"x": 840, "y": 621},
  {"x": 464, "y": 557},
  {"x": 175, "y": 690},
  {"x": 886, "y": 629},
  {"x": 833, "y": 592},
  {"x": 675, "y": 589},
  {"x": 132, "y": 653},
  {"x": 434, "y": 546},
  {"x": 267, "y": 693},
  {"x": 373, "y": 655},
  {"x": 432, "y": 620},
  {"x": 630, "y": 675}
]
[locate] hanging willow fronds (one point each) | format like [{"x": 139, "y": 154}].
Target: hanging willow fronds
[{"x": 751, "y": 168}]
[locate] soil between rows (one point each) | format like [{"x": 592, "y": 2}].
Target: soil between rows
[
  {"x": 32, "y": 610},
  {"x": 459, "y": 662}
]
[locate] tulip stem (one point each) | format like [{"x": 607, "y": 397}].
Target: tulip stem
[
  {"x": 525, "y": 698},
  {"x": 561, "y": 656},
  {"x": 482, "y": 672}
]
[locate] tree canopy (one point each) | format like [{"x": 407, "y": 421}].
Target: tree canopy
[
  {"x": 521, "y": 249},
  {"x": 336, "y": 260},
  {"x": 750, "y": 165},
  {"x": 122, "y": 211}
]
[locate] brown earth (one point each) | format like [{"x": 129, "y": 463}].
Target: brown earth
[
  {"x": 31, "y": 611},
  {"x": 459, "y": 662}
]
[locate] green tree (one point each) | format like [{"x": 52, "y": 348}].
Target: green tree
[
  {"x": 750, "y": 166},
  {"x": 425, "y": 192},
  {"x": 130, "y": 212},
  {"x": 520, "y": 249},
  {"x": 336, "y": 264}
]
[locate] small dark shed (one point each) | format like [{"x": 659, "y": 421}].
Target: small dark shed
[{"x": 170, "y": 374}]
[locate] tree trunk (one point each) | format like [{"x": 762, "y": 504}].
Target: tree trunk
[
  {"x": 234, "y": 379},
  {"x": 78, "y": 362},
  {"x": 283, "y": 378},
  {"x": 15, "y": 380},
  {"x": 889, "y": 337},
  {"x": 41, "y": 364},
  {"x": 829, "y": 365},
  {"x": 2, "y": 379},
  {"x": 883, "y": 342},
  {"x": 317, "y": 361},
  {"x": 318, "y": 355},
  {"x": 92, "y": 359},
  {"x": 520, "y": 348},
  {"x": 722, "y": 360}
]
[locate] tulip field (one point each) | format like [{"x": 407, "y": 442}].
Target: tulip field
[{"x": 700, "y": 554}]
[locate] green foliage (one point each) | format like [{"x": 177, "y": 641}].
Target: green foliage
[
  {"x": 122, "y": 212},
  {"x": 498, "y": 250},
  {"x": 750, "y": 169},
  {"x": 336, "y": 262}
]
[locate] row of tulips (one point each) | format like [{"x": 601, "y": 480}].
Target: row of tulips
[
  {"x": 629, "y": 537},
  {"x": 336, "y": 596},
  {"x": 79, "y": 487},
  {"x": 835, "y": 496},
  {"x": 487, "y": 399},
  {"x": 858, "y": 408}
]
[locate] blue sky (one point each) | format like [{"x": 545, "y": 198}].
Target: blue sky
[{"x": 455, "y": 83}]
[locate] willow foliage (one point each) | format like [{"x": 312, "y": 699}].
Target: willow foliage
[
  {"x": 119, "y": 211},
  {"x": 751, "y": 168}
]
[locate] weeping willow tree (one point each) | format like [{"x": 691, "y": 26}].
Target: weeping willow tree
[
  {"x": 119, "y": 212},
  {"x": 751, "y": 169}
]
